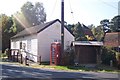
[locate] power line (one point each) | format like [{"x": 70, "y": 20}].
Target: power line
[
  {"x": 71, "y": 11},
  {"x": 53, "y": 8},
  {"x": 108, "y": 4}
]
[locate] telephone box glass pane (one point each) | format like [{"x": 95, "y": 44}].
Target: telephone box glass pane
[{"x": 53, "y": 55}]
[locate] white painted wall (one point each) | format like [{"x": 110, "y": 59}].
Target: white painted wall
[
  {"x": 68, "y": 38},
  {"x": 15, "y": 44},
  {"x": 49, "y": 35}
]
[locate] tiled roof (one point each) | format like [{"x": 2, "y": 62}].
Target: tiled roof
[
  {"x": 34, "y": 29},
  {"x": 112, "y": 39},
  {"x": 87, "y": 31}
]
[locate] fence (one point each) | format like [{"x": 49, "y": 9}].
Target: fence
[{"x": 16, "y": 56}]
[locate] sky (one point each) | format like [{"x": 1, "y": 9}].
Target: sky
[{"x": 84, "y": 11}]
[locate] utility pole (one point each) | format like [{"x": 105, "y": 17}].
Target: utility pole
[{"x": 62, "y": 29}]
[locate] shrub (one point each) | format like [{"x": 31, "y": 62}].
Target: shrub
[
  {"x": 117, "y": 56},
  {"x": 3, "y": 55},
  {"x": 107, "y": 55},
  {"x": 118, "y": 60},
  {"x": 68, "y": 56}
]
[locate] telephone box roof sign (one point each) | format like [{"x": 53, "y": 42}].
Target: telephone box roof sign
[
  {"x": 112, "y": 39},
  {"x": 56, "y": 43}
]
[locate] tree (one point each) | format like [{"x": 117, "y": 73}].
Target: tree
[
  {"x": 70, "y": 27},
  {"x": 20, "y": 21},
  {"x": 115, "y": 24},
  {"x": 98, "y": 32},
  {"x": 79, "y": 33},
  {"x": 8, "y": 30},
  {"x": 35, "y": 14},
  {"x": 40, "y": 12},
  {"x": 106, "y": 25}
]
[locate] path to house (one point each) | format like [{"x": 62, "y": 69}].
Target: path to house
[{"x": 10, "y": 71}]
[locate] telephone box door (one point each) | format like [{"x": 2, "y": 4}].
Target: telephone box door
[{"x": 55, "y": 54}]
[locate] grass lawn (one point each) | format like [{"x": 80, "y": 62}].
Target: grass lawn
[{"x": 101, "y": 68}]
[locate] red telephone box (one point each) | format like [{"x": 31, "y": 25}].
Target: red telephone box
[{"x": 55, "y": 53}]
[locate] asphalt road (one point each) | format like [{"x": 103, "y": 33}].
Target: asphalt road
[{"x": 16, "y": 72}]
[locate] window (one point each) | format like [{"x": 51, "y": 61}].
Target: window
[
  {"x": 23, "y": 46},
  {"x": 14, "y": 45},
  {"x": 29, "y": 45},
  {"x": 20, "y": 45}
]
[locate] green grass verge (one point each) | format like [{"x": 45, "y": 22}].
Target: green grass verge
[
  {"x": 3, "y": 55},
  {"x": 101, "y": 68}
]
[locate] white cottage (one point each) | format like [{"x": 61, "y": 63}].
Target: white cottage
[{"x": 36, "y": 41}]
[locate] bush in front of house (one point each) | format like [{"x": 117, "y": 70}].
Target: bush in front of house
[
  {"x": 68, "y": 57},
  {"x": 118, "y": 60},
  {"x": 108, "y": 55}
]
